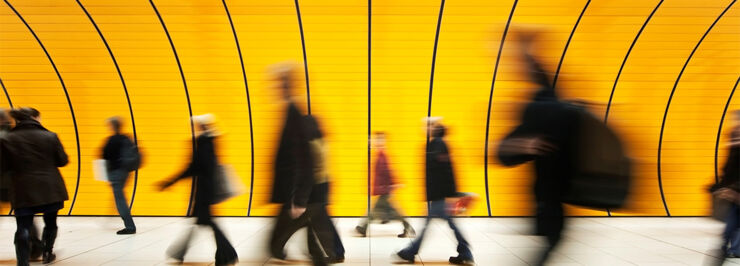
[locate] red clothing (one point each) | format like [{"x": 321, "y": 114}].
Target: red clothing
[{"x": 383, "y": 178}]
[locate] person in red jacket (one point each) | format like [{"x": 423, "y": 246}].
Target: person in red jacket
[{"x": 383, "y": 185}]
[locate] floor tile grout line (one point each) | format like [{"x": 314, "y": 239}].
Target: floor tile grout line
[{"x": 114, "y": 242}]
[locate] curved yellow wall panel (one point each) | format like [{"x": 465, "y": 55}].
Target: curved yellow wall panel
[
  {"x": 30, "y": 80},
  {"x": 635, "y": 49}
]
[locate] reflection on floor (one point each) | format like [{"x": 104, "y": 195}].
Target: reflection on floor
[{"x": 495, "y": 241}]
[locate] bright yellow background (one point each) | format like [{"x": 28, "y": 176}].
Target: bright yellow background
[{"x": 400, "y": 64}]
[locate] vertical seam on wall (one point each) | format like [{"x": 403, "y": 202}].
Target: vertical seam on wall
[
  {"x": 249, "y": 107},
  {"x": 670, "y": 99},
  {"x": 490, "y": 103},
  {"x": 565, "y": 50},
  {"x": 187, "y": 96},
  {"x": 719, "y": 131},
  {"x": 305, "y": 57},
  {"x": 66, "y": 94},
  {"x": 7, "y": 96},
  {"x": 624, "y": 62},
  {"x": 369, "y": 99},
  {"x": 125, "y": 90}
]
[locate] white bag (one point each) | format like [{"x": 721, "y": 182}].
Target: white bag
[
  {"x": 100, "y": 170},
  {"x": 226, "y": 184}
]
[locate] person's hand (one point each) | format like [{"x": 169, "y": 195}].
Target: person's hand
[
  {"x": 297, "y": 211},
  {"x": 163, "y": 185},
  {"x": 728, "y": 195},
  {"x": 528, "y": 146}
]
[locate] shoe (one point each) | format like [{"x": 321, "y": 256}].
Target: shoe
[
  {"x": 461, "y": 261},
  {"x": 335, "y": 260},
  {"x": 385, "y": 221},
  {"x": 48, "y": 237},
  {"x": 407, "y": 234},
  {"x": 403, "y": 256},
  {"x": 361, "y": 230},
  {"x": 126, "y": 231}
]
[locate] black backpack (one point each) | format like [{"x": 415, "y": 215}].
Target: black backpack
[
  {"x": 602, "y": 171},
  {"x": 130, "y": 157}
]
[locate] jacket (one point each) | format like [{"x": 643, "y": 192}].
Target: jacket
[
  {"x": 293, "y": 169},
  {"x": 202, "y": 167},
  {"x": 440, "y": 178},
  {"x": 383, "y": 178},
  {"x": 31, "y": 156},
  {"x": 113, "y": 150}
]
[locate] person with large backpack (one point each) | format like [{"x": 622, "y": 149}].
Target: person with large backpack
[
  {"x": 578, "y": 159},
  {"x": 122, "y": 157}
]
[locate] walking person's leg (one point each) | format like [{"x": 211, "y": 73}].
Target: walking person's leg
[
  {"x": 372, "y": 214},
  {"x": 37, "y": 247},
  {"x": 550, "y": 223},
  {"x": 321, "y": 230},
  {"x": 285, "y": 227},
  {"x": 225, "y": 252},
  {"x": 465, "y": 256},
  {"x": 22, "y": 239},
  {"x": 118, "y": 182},
  {"x": 394, "y": 214},
  {"x": 49, "y": 236},
  {"x": 410, "y": 252}
]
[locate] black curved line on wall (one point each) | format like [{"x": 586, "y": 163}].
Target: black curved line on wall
[
  {"x": 670, "y": 99},
  {"x": 719, "y": 131},
  {"x": 490, "y": 102},
  {"x": 434, "y": 63},
  {"x": 125, "y": 90},
  {"x": 305, "y": 57},
  {"x": 369, "y": 98},
  {"x": 187, "y": 96},
  {"x": 565, "y": 50},
  {"x": 7, "y": 96},
  {"x": 624, "y": 61},
  {"x": 66, "y": 94},
  {"x": 249, "y": 106}
]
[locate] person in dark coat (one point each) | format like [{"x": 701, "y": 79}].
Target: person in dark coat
[
  {"x": 31, "y": 156},
  {"x": 728, "y": 189},
  {"x": 383, "y": 185},
  {"x": 5, "y": 126},
  {"x": 116, "y": 148},
  {"x": 203, "y": 166},
  {"x": 547, "y": 136},
  {"x": 440, "y": 184},
  {"x": 301, "y": 190}
]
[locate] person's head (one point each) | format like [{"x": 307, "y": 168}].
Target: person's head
[
  {"x": 205, "y": 123},
  {"x": 115, "y": 124},
  {"x": 438, "y": 131},
  {"x": 25, "y": 114},
  {"x": 736, "y": 116},
  {"x": 379, "y": 139},
  {"x": 283, "y": 74}
]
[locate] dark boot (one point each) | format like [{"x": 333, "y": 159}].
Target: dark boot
[
  {"x": 22, "y": 247},
  {"x": 49, "y": 237},
  {"x": 37, "y": 247}
]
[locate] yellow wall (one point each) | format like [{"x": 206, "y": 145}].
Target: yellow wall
[{"x": 372, "y": 73}]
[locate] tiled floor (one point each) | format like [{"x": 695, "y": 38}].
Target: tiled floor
[{"x": 498, "y": 241}]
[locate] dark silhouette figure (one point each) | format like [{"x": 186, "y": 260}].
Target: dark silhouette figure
[
  {"x": 31, "y": 156},
  {"x": 440, "y": 184},
  {"x": 116, "y": 151},
  {"x": 203, "y": 167}
]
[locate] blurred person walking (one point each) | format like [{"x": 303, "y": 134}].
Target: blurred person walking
[
  {"x": 5, "y": 126},
  {"x": 383, "y": 185},
  {"x": 547, "y": 135},
  {"x": 299, "y": 180},
  {"x": 728, "y": 190},
  {"x": 203, "y": 167},
  {"x": 31, "y": 156},
  {"x": 122, "y": 157},
  {"x": 440, "y": 185}
]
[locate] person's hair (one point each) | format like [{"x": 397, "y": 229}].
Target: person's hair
[
  {"x": 439, "y": 131},
  {"x": 379, "y": 134},
  {"x": 24, "y": 114},
  {"x": 115, "y": 123}
]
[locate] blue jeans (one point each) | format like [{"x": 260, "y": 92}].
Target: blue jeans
[
  {"x": 732, "y": 234},
  {"x": 437, "y": 209},
  {"x": 118, "y": 180}
]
